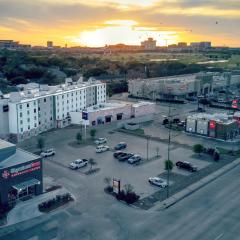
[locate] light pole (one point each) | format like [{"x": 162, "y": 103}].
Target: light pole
[
  {"x": 147, "y": 146},
  {"x": 168, "y": 149}
]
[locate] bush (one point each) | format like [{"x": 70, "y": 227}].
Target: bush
[
  {"x": 198, "y": 148},
  {"x": 79, "y": 137},
  {"x": 168, "y": 165},
  {"x": 121, "y": 195},
  {"x": 216, "y": 156}
]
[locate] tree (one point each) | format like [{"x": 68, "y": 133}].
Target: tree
[
  {"x": 168, "y": 165},
  {"x": 216, "y": 156},
  {"x": 41, "y": 143},
  {"x": 198, "y": 148},
  {"x": 79, "y": 137},
  {"x": 128, "y": 188},
  {"x": 157, "y": 151},
  {"x": 91, "y": 161},
  {"x": 108, "y": 181},
  {"x": 93, "y": 132}
]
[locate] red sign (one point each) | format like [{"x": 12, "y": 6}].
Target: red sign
[
  {"x": 16, "y": 171},
  {"x": 212, "y": 124},
  {"x": 235, "y": 104}
]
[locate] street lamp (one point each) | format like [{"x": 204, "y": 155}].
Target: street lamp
[{"x": 168, "y": 149}]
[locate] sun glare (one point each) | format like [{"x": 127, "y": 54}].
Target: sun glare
[{"x": 122, "y": 31}]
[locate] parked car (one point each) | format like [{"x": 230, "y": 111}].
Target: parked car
[
  {"x": 176, "y": 120},
  {"x": 186, "y": 165},
  {"x": 134, "y": 159},
  {"x": 182, "y": 124},
  {"x": 125, "y": 157},
  {"x": 165, "y": 121},
  {"x": 48, "y": 153},
  {"x": 120, "y": 146},
  {"x": 102, "y": 148},
  {"x": 157, "y": 182},
  {"x": 118, "y": 154},
  {"x": 79, "y": 163},
  {"x": 100, "y": 141}
]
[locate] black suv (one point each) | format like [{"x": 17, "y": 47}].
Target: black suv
[
  {"x": 123, "y": 158},
  {"x": 186, "y": 165}
]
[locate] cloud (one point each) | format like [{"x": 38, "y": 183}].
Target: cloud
[{"x": 41, "y": 19}]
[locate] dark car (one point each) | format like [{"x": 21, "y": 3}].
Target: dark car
[
  {"x": 120, "y": 146},
  {"x": 125, "y": 157},
  {"x": 176, "y": 120},
  {"x": 118, "y": 154},
  {"x": 186, "y": 165},
  {"x": 165, "y": 121}
]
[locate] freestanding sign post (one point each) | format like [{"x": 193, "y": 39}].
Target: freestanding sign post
[
  {"x": 116, "y": 184},
  {"x": 85, "y": 118}
]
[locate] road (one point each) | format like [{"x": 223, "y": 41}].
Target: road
[{"x": 212, "y": 213}]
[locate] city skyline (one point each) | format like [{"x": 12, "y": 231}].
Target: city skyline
[{"x": 101, "y": 22}]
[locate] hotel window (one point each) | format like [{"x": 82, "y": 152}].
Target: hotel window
[
  {"x": 20, "y": 114},
  {"x": 34, "y": 103},
  {"x": 21, "y": 122},
  {"x": 35, "y": 125},
  {"x": 34, "y": 110},
  {"x": 21, "y": 129},
  {"x": 35, "y": 118},
  {"x": 20, "y": 106},
  {"x": 27, "y": 104},
  {"x": 28, "y": 119},
  {"x": 28, "y": 127},
  {"x": 28, "y": 112},
  {"x": 44, "y": 100}
]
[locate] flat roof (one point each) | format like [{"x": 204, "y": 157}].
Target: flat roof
[
  {"x": 19, "y": 157},
  {"x": 5, "y": 144}
]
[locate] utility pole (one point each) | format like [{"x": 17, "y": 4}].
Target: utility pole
[
  {"x": 168, "y": 149},
  {"x": 147, "y": 146}
]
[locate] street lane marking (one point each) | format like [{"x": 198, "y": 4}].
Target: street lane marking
[{"x": 219, "y": 236}]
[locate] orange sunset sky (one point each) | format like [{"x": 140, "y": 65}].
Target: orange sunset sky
[{"x": 99, "y": 22}]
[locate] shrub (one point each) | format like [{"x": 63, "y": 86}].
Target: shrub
[
  {"x": 168, "y": 165},
  {"x": 198, "y": 148},
  {"x": 216, "y": 156}
]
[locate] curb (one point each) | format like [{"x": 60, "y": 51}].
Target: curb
[{"x": 195, "y": 186}]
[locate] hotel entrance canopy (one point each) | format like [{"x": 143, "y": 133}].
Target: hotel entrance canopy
[{"x": 23, "y": 185}]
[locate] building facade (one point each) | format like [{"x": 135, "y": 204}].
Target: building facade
[
  {"x": 112, "y": 112},
  {"x": 20, "y": 174},
  {"x": 38, "y": 109},
  {"x": 182, "y": 86},
  {"x": 219, "y": 126}
]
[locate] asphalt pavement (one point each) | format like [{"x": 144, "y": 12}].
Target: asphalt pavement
[{"x": 212, "y": 213}]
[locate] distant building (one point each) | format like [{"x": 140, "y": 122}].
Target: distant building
[
  {"x": 10, "y": 44},
  {"x": 122, "y": 47},
  {"x": 181, "y": 86},
  {"x": 182, "y": 45},
  {"x": 149, "y": 44},
  {"x": 219, "y": 126},
  {"x": 200, "y": 45},
  {"x": 49, "y": 44}
]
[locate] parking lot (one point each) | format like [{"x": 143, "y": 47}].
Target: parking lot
[
  {"x": 64, "y": 142},
  {"x": 136, "y": 175}
]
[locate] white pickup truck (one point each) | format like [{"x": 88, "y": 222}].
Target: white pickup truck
[{"x": 79, "y": 163}]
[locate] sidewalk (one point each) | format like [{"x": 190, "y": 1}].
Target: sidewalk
[
  {"x": 194, "y": 187},
  {"x": 29, "y": 209}
]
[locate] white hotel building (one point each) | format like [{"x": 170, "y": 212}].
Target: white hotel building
[{"x": 38, "y": 108}]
